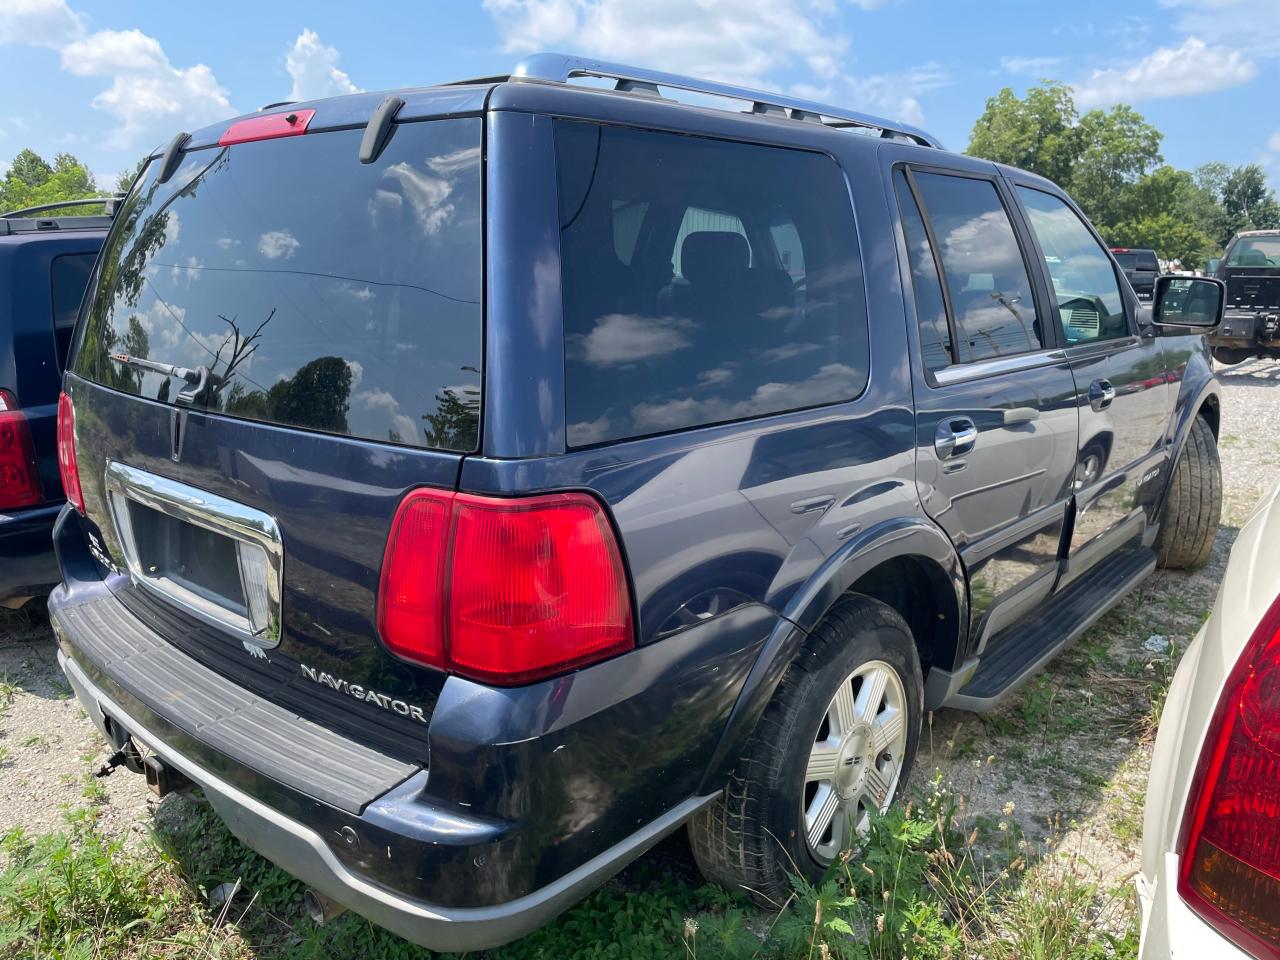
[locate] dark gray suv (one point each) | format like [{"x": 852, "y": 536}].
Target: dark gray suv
[{"x": 471, "y": 485}]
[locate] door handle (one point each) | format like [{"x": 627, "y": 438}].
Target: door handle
[
  {"x": 1017, "y": 416},
  {"x": 1101, "y": 393},
  {"x": 955, "y": 437}
]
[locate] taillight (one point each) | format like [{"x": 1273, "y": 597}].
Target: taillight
[
  {"x": 1230, "y": 870},
  {"x": 503, "y": 590},
  {"x": 19, "y": 475},
  {"x": 67, "y": 467}
]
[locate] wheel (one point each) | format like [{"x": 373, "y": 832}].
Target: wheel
[
  {"x": 1230, "y": 356},
  {"x": 837, "y": 741},
  {"x": 1189, "y": 521}
]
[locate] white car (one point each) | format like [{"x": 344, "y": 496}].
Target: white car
[{"x": 1210, "y": 880}]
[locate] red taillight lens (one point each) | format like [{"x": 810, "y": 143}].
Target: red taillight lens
[
  {"x": 19, "y": 474},
  {"x": 410, "y": 612},
  {"x": 67, "y": 467},
  {"x": 506, "y": 591},
  {"x": 1230, "y": 870}
]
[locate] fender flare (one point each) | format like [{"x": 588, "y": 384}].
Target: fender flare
[
  {"x": 900, "y": 537},
  {"x": 1209, "y": 391}
]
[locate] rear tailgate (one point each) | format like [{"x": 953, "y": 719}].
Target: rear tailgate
[
  {"x": 323, "y": 322},
  {"x": 1253, "y": 288}
]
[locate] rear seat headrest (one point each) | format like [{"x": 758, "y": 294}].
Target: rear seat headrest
[{"x": 714, "y": 256}]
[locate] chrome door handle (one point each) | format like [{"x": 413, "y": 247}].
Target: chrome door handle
[
  {"x": 1101, "y": 393},
  {"x": 955, "y": 437}
]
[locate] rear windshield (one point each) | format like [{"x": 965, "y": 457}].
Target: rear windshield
[
  {"x": 314, "y": 290},
  {"x": 1137, "y": 260},
  {"x": 1255, "y": 252}
]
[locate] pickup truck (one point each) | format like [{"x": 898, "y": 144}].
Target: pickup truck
[{"x": 1250, "y": 267}]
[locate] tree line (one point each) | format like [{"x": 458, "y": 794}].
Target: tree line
[
  {"x": 33, "y": 181},
  {"x": 1110, "y": 163}
]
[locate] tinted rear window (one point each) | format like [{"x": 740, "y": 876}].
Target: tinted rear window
[
  {"x": 704, "y": 281},
  {"x": 320, "y": 292},
  {"x": 68, "y": 276}
]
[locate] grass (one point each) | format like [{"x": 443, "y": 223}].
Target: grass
[{"x": 918, "y": 886}]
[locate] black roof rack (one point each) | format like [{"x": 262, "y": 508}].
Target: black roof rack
[{"x": 22, "y": 221}]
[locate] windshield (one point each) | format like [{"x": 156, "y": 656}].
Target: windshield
[
  {"x": 1255, "y": 252},
  {"x": 285, "y": 281}
]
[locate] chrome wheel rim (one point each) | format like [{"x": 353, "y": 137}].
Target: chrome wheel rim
[{"x": 855, "y": 759}]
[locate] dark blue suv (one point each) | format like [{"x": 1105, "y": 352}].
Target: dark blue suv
[
  {"x": 470, "y": 486},
  {"x": 45, "y": 262}
]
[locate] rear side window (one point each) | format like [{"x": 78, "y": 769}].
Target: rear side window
[
  {"x": 318, "y": 291},
  {"x": 738, "y": 293},
  {"x": 987, "y": 283},
  {"x": 931, "y": 308},
  {"x": 68, "y": 276}
]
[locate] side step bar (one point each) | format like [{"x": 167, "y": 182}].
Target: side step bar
[{"x": 1018, "y": 654}]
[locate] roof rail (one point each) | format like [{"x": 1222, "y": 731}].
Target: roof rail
[
  {"x": 108, "y": 203},
  {"x": 560, "y": 68}
]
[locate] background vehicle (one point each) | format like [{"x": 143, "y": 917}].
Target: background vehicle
[
  {"x": 44, "y": 267},
  {"x": 1250, "y": 267},
  {"x": 1211, "y": 840},
  {"x": 505, "y": 539},
  {"x": 1140, "y": 266}
]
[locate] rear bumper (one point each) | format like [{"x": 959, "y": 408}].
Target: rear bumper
[
  {"x": 305, "y": 854},
  {"x": 1248, "y": 328},
  {"x": 27, "y": 564}
]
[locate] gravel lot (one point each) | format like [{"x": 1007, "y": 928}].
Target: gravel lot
[{"x": 1071, "y": 753}]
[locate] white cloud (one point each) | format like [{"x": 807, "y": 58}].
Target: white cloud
[
  {"x": 736, "y": 40},
  {"x": 1274, "y": 143},
  {"x": 1030, "y": 66},
  {"x": 40, "y": 23},
  {"x": 620, "y": 338},
  {"x": 148, "y": 95},
  {"x": 1252, "y": 26},
  {"x": 1194, "y": 67},
  {"x": 894, "y": 96},
  {"x": 314, "y": 68},
  {"x": 277, "y": 244}
]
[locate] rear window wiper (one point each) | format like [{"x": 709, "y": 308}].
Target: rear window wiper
[{"x": 198, "y": 379}]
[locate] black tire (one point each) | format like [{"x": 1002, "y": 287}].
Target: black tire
[
  {"x": 753, "y": 836},
  {"x": 1230, "y": 356},
  {"x": 1193, "y": 508}
]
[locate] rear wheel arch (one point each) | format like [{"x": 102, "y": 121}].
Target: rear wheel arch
[{"x": 1211, "y": 410}]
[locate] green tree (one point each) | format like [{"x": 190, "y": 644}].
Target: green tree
[
  {"x": 1172, "y": 237},
  {"x": 32, "y": 181},
  {"x": 125, "y": 178},
  {"x": 1117, "y": 149},
  {"x": 1249, "y": 203},
  {"x": 1037, "y": 132}
]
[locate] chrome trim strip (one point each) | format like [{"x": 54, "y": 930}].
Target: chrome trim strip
[
  {"x": 962, "y": 372},
  {"x": 560, "y": 68},
  {"x": 233, "y": 520}
]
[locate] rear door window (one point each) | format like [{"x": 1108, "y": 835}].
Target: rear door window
[
  {"x": 989, "y": 289},
  {"x": 317, "y": 291},
  {"x": 68, "y": 276},
  {"x": 740, "y": 295}
]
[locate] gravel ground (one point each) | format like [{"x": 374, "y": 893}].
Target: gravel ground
[{"x": 1071, "y": 753}]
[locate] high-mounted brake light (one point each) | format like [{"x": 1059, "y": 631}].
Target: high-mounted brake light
[
  {"x": 67, "y": 467},
  {"x": 269, "y": 127},
  {"x": 1230, "y": 869},
  {"x": 19, "y": 474},
  {"x": 503, "y": 590}
]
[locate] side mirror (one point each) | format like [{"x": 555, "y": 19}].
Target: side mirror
[
  {"x": 1188, "y": 302},
  {"x": 1212, "y": 265}
]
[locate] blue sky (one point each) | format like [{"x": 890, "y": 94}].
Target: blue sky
[{"x": 108, "y": 81}]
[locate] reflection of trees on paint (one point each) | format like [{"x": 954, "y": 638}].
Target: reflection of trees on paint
[{"x": 318, "y": 396}]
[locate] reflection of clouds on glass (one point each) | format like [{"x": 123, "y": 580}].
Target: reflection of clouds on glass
[
  {"x": 278, "y": 243},
  {"x": 447, "y": 164},
  {"x": 981, "y": 244},
  {"x": 226, "y": 243},
  {"x": 172, "y": 225},
  {"x": 830, "y": 382},
  {"x": 428, "y": 195},
  {"x": 997, "y": 329},
  {"x": 620, "y": 338},
  {"x": 187, "y": 274},
  {"x": 787, "y": 351},
  {"x": 355, "y": 292},
  {"x": 381, "y": 400},
  {"x": 715, "y": 377},
  {"x": 588, "y": 432},
  {"x": 357, "y": 373}
]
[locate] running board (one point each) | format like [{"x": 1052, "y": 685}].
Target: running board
[{"x": 1018, "y": 654}]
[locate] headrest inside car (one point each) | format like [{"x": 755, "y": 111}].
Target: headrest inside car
[{"x": 714, "y": 256}]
